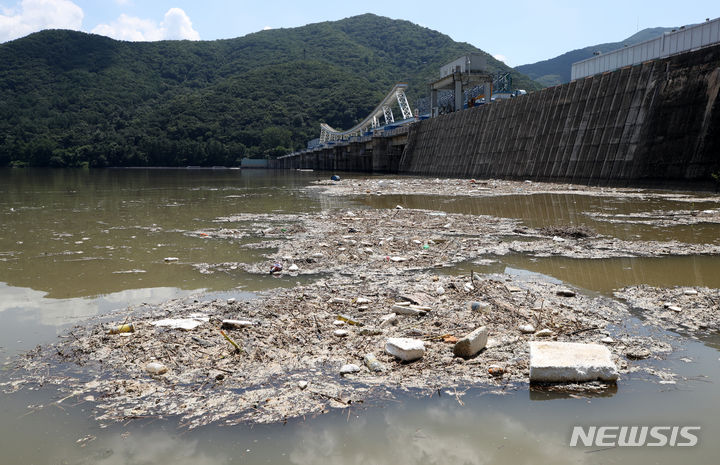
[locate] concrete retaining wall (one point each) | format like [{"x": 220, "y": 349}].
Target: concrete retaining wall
[{"x": 654, "y": 122}]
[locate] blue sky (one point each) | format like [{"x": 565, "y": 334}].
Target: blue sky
[{"x": 525, "y": 32}]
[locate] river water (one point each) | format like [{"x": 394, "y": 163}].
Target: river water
[{"x": 78, "y": 243}]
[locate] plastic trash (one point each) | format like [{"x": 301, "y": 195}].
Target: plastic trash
[
  {"x": 276, "y": 268},
  {"x": 236, "y": 324},
  {"x": 373, "y": 363},
  {"x": 334, "y": 177},
  {"x": 349, "y": 320},
  {"x": 126, "y": 328}
]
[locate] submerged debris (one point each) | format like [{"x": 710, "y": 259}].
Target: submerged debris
[
  {"x": 687, "y": 310},
  {"x": 571, "y": 231},
  {"x": 292, "y": 342}
]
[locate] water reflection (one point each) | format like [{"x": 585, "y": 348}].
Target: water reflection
[
  {"x": 30, "y": 317},
  {"x": 155, "y": 448},
  {"x": 433, "y": 435},
  {"x": 607, "y": 274},
  {"x": 541, "y": 210},
  {"x": 38, "y": 308},
  {"x": 544, "y": 393},
  {"x": 45, "y": 217},
  {"x": 75, "y": 233}
]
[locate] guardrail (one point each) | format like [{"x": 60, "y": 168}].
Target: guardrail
[{"x": 685, "y": 39}]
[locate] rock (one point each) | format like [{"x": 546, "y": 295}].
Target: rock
[
  {"x": 468, "y": 287},
  {"x": 479, "y": 307},
  {"x": 607, "y": 340},
  {"x": 558, "y": 239},
  {"x": 373, "y": 363},
  {"x": 544, "y": 333},
  {"x": 362, "y": 301},
  {"x": 690, "y": 292},
  {"x": 404, "y": 348},
  {"x": 340, "y": 333},
  {"x": 387, "y": 320},
  {"x": 472, "y": 343},
  {"x": 526, "y": 329},
  {"x": 398, "y": 259},
  {"x": 496, "y": 370},
  {"x": 349, "y": 368},
  {"x": 236, "y": 324},
  {"x": 339, "y": 323},
  {"x": 409, "y": 310},
  {"x": 675, "y": 308},
  {"x": 156, "y": 368},
  {"x": 231, "y": 300},
  {"x": 440, "y": 290},
  {"x": 513, "y": 289},
  {"x": 371, "y": 331},
  {"x": 637, "y": 353},
  {"x": 561, "y": 362},
  {"x": 565, "y": 293},
  {"x": 293, "y": 267},
  {"x": 302, "y": 385}
]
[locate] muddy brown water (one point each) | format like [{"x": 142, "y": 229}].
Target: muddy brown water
[{"x": 75, "y": 244}]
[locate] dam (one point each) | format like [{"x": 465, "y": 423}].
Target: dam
[{"x": 654, "y": 122}]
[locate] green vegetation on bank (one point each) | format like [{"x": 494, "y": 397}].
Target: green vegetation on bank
[{"x": 70, "y": 98}]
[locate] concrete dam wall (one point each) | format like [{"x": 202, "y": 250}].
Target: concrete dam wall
[{"x": 651, "y": 123}]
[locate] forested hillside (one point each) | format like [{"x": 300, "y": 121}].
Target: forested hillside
[
  {"x": 557, "y": 70},
  {"x": 70, "y": 98}
]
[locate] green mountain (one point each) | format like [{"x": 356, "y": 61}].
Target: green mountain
[
  {"x": 71, "y": 98},
  {"x": 557, "y": 70}
]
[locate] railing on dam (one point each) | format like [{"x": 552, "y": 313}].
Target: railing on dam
[
  {"x": 685, "y": 39},
  {"x": 655, "y": 122}
]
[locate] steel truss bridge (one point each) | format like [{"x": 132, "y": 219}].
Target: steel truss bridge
[{"x": 373, "y": 120}]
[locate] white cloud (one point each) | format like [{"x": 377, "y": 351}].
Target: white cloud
[
  {"x": 130, "y": 28},
  {"x": 175, "y": 26},
  {"x": 500, "y": 57},
  {"x": 34, "y": 15}
]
